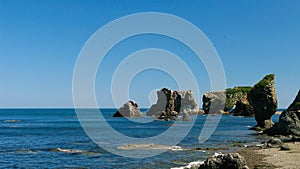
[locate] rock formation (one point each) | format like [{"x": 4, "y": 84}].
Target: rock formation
[
  {"x": 129, "y": 109},
  {"x": 289, "y": 123},
  {"x": 231, "y": 160},
  {"x": 171, "y": 103},
  {"x": 295, "y": 106},
  {"x": 233, "y": 95},
  {"x": 262, "y": 97},
  {"x": 223, "y": 100},
  {"x": 259, "y": 100},
  {"x": 213, "y": 102},
  {"x": 243, "y": 107}
]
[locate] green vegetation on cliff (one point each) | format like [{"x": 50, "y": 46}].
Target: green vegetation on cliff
[
  {"x": 235, "y": 94},
  {"x": 265, "y": 81}
]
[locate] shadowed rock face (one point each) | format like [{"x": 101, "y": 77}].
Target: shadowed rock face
[
  {"x": 243, "y": 108},
  {"x": 171, "y": 103},
  {"x": 262, "y": 98},
  {"x": 289, "y": 123},
  {"x": 129, "y": 109}
]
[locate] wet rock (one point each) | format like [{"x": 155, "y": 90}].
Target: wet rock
[
  {"x": 129, "y": 109},
  {"x": 262, "y": 97},
  {"x": 231, "y": 160}
]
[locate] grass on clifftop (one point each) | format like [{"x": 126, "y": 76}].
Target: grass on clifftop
[
  {"x": 265, "y": 81},
  {"x": 244, "y": 89}
]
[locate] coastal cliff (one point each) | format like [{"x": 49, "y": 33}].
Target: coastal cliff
[{"x": 259, "y": 101}]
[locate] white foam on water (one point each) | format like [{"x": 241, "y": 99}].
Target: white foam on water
[
  {"x": 72, "y": 151},
  {"x": 190, "y": 165}
]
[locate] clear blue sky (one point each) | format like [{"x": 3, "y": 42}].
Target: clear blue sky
[{"x": 40, "y": 42}]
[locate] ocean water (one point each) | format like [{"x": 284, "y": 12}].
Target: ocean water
[{"x": 54, "y": 138}]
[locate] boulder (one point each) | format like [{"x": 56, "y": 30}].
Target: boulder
[
  {"x": 262, "y": 97},
  {"x": 231, "y": 160},
  {"x": 285, "y": 147},
  {"x": 223, "y": 100},
  {"x": 129, "y": 109},
  {"x": 274, "y": 141},
  {"x": 171, "y": 103},
  {"x": 289, "y": 123}
]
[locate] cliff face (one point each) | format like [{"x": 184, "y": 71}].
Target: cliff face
[
  {"x": 225, "y": 99},
  {"x": 171, "y": 103},
  {"x": 259, "y": 100}
]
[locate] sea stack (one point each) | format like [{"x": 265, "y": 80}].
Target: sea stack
[
  {"x": 129, "y": 109},
  {"x": 262, "y": 98},
  {"x": 171, "y": 103}
]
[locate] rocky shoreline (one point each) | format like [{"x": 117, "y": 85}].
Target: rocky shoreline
[{"x": 281, "y": 150}]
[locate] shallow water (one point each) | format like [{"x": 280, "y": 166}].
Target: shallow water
[{"x": 53, "y": 138}]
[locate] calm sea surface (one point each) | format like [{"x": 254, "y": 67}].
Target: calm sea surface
[{"x": 54, "y": 138}]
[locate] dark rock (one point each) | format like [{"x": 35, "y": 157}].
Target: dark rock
[
  {"x": 231, "y": 160},
  {"x": 129, "y": 109},
  {"x": 171, "y": 103},
  {"x": 262, "y": 97},
  {"x": 285, "y": 147},
  {"x": 289, "y": 123},
  {"x": 243, "y": 108}
]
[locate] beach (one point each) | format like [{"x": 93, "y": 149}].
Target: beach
[{"x": 272, "y": 157}]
